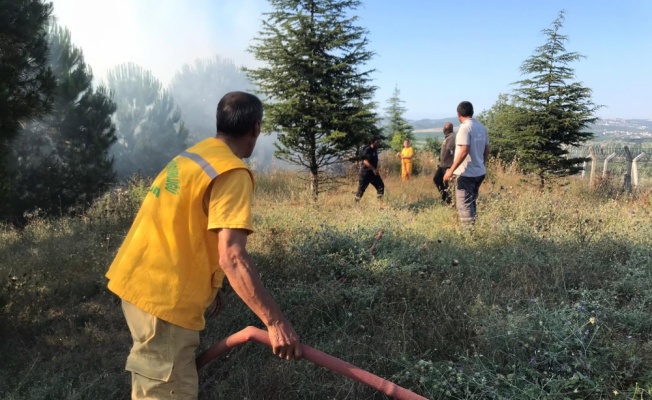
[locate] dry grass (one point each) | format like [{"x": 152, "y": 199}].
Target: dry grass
[{"x": 446, "y": 313}]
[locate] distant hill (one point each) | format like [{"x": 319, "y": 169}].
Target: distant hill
[
  {"x": 430, "y": 128},
  {"x": 430, "y": 124},
  {"x": 623, "y": 129},
  {"x": 618, "y": 129}
]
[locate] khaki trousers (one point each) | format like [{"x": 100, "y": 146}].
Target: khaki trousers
[{"x": 162, "y": 359}]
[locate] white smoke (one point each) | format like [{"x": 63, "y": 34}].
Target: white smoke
[{"x": 160, "y": 35}]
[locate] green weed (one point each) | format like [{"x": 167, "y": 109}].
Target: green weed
[{"x": 549, "y": 298}]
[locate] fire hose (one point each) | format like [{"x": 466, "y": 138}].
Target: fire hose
[{"x": 316, "y": 357}]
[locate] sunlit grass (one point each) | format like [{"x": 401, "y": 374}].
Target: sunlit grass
[{"x": 548, "y": 297}]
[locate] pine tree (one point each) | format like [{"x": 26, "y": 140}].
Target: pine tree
[
  {"x": 150, "y": 130},
  {"x": 317, "y": 95},
  {"x": 556, "y": 110},
  {"x": 433, "y": 145},
  {"x": 397, "y": 127},
  {"x": 502, "y": 121},
  {"x": 61, "y": 160},
  {"x": 26, "y": 82}
]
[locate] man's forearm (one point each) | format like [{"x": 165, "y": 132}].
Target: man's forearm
[
  {"x": 368, "y": 164},
  {"x": 245, "y": 281},
  {"x": 241, "y": 272}
]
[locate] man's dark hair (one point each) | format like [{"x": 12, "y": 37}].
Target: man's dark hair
[
  {"x": 237, "y": 113},
  {"x": 465, "y": 109}
]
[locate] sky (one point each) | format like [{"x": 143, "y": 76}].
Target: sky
[{"x": 436, "y": 52}]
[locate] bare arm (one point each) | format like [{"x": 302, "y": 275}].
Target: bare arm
[
  {"x": 245, "y": 281},
  {"x": 368, "y": 164},
  {"x": 485, "y": 155},
  {"x": 459, "y": 158}
]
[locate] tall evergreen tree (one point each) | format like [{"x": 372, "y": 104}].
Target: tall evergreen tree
[
  {"x": 317, "y": 93},
  {"x": 502, "y": 121},
  {"x": 150, "y": 130},
  {"x": 61, "y": 160},
  {"x": 26, "y": 82},
  {"x": 397, "y": 127},
  {"x": 557, "y": 110}
]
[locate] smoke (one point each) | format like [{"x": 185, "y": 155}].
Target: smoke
[
  {"x": 160, "y": 35},
  {"x": 166, "y": 36},
  {"x": 263, "y": 158}
]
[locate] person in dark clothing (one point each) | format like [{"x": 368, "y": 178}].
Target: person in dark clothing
[
  {"x": 445, "y": 162},
  {"x": 369, "y": 171}
]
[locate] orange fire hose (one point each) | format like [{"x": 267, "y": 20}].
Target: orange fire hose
[{"x": 315, "y": 356}]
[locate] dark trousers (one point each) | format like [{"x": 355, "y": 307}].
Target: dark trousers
[
  {"x": 365, "y": 179},
  {"x": 466, "y": 194},
  {"x": 441, "y": 185}
]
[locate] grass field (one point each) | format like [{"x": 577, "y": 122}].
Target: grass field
[{"x": 549, "y": 298}]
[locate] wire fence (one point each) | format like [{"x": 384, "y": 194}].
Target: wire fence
[{"x": 632, "y": 162}]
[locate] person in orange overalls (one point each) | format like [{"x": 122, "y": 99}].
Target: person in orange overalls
[
  {"x": 190, "y": 233},
  {"x": 406, "y": 155}
]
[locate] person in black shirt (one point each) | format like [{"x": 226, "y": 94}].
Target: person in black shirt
[{"x": 369, "y": 171}]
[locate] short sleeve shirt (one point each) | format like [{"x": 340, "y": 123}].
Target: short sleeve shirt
[
  {"x": 473, "y": 134},
  {"x": 370, "y": 154},
  {"x": 447, "y": 151},
  {"x": 229, "y": 204},
  {"x": 407, "y": 152}
]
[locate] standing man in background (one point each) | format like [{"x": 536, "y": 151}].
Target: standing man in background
[
  {"x": 406, "y": 155},
  {"x": 191, "y": 232},
  {"x": 445, "y": 161},
  {"x": 471, "y": 152},
  {"x": 369, "y": 171}
]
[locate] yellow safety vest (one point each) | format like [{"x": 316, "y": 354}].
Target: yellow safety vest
[{"x": 168, "y": 264}]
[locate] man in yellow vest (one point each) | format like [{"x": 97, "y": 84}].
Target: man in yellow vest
[{"x": 191, "y": 232}]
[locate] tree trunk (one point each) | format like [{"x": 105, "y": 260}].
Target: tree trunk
[
  {"x": 314, "y": 182},
  {"x": 314, "y": 166},
  {"x": 594, "y": 160}
]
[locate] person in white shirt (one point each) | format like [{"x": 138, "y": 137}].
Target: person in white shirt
[{"x": 471, "y": 153}]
